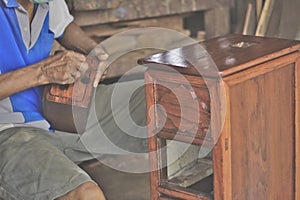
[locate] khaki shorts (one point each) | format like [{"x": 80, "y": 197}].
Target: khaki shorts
[{"x": 36, "y": 164}]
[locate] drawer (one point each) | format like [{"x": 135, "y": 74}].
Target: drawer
[{"x": 182, "y": 111}]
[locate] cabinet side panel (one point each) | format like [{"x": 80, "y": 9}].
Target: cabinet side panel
[
  {"x": 263, "y": 135},
  {"x": 297, "y": 125}
]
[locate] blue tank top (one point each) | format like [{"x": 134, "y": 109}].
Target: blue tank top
[{"x": 15, "y": 55}]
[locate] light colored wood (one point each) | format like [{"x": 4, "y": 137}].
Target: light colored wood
[
  {"x": 247, "y": 19},
  {"x": 259, "y": 6},
  {"x": 219, "y": 123},
  {"x": 250, "y": 20},
  {"x": 264, "y": 18}
]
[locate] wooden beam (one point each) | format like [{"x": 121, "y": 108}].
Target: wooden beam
[{"x": 265, "y": 18}]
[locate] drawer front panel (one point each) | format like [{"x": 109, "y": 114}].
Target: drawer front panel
[{"x": 182, "y": 109}]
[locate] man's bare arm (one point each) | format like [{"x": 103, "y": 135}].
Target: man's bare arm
[
  {"x": 76, "y": 39},
  {"x": 63, "y": 68}
]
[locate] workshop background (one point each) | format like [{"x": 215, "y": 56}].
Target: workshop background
[{"x": 198, "y": 19}]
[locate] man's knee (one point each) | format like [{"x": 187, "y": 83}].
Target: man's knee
[{"x": 86, "y": 191}]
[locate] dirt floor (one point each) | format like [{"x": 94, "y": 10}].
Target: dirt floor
[{"x": 119, "y": 185}]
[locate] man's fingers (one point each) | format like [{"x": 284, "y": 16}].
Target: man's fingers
[
  {"x": 100, "y": 53},
  {"x": 100, "y": 70},
  {"x": 103, "y": 56},
  {"x": 83, "y": 67}
]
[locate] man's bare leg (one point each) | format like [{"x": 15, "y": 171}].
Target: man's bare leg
[{"x": 85, "y": 191}]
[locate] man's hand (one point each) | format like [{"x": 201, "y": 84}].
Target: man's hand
[
  {"x": 64, "y": 67},
  {"x": 100, "y": 54}
]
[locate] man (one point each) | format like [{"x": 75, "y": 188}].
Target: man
[{"x": 36, "y": 163}]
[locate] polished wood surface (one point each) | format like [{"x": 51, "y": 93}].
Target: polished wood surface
[
  {"x": 253, "y": 104},
  {"x": 179, "y": 101},
  {"x": 222, "y": 56}
]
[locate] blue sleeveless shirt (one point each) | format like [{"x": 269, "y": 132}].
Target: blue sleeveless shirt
[{"x": 23, "y": 107}]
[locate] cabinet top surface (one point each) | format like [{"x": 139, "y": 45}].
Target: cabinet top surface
[{"x": 224, "y": 55}]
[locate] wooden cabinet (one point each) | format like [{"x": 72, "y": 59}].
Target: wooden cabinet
[{"x": 242, "y": 100}]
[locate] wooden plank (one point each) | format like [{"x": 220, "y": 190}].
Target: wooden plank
[
  {"x": 93, "y": 4},
  {"x": 222, "y": 150},
  {"x": 250, "y": 21},
  {"x": 106, "y": 30},
  {"x": 238, "y": 13},
  {"x": 297, "y": 37},
  {"x": 265, "y": 18},
  {"x": 192, "y": 173},
  {"x": 259, "y": 6},
  {"x": 131, "y": 10}
]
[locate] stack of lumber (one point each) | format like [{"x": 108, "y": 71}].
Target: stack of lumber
[{"x": 102, "y": 18}]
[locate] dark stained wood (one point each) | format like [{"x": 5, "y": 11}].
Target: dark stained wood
[
  {"x": 223, "y": 56},
  {"x": 182, "y": 112},
  {"x": 254, "y": 118}
]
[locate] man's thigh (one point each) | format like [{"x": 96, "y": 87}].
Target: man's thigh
[
  {"x": 32, "y": 167},
  {"x": 117, "y": 121},
  {"x": 116, "y": 124}
]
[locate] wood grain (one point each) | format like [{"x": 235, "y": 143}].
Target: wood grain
[{"x": 262, "y": 130}]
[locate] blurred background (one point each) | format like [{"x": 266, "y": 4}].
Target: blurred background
[{"x": 198, "y": 19}]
